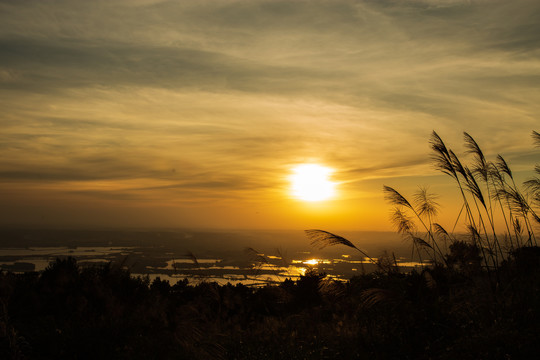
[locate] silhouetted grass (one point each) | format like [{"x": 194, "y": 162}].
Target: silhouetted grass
[{"x": 486, "y": 187}]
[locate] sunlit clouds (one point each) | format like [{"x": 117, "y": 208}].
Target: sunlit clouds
[{"x": 198, "y": 110}]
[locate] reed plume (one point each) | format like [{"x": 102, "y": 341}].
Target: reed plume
[
  {"x": 421, "y": 242},
  {"x": 405, "y": 226},
  {"x": 441, "y": 156},
  {"x": 446, "y": 161},
  {"x": 536, "y": 138},
  {"x": 441, "y": 232},
  {"x": 425, "y": 205},
  {"x": 322, "y": 239},
  {"x": 533, "y": 184},
  {"x": 480, "y": 165},
  {"x": 395, "y": 198},
  {"x": 503, "y": 167},
  {"x": 497, "y": 172},
  {"x": 403, "y": 223}
]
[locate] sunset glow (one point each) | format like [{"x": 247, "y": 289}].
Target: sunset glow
[
  {"x": 153, "y": 113},
  {"x": 311, "y": 182},
  {"x": 311, "y": 262}
]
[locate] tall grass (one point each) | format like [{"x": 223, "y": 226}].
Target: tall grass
[
  {"x": 488, "y": 191},
  {"x": 487, "y": 188}
]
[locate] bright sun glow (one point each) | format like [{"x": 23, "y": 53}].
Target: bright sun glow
[{"x": 310, "y": 182}]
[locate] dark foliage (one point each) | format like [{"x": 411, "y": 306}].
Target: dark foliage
[
  {"x": 68, "y": 312},
  {"x": 465, "y": 257}
]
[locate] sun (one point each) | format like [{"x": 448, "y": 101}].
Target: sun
[{"x": 310, "y": 182}]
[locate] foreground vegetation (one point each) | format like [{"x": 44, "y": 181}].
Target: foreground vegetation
[
  {"x": 72, "y": 313},
  {"x": 480, "y": 298}
]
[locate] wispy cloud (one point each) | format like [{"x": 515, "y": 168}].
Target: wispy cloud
[{"x": 218, "y": 99}]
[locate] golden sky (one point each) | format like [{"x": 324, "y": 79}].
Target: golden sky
[{"x": 147, "y": 113}]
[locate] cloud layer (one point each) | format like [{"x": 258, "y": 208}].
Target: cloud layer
[{"x": 175, "y": 103}]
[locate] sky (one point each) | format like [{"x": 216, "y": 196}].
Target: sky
[{"x": 148, "y": 113}]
